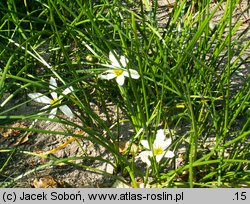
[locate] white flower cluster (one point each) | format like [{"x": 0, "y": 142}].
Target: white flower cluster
[
  {"x": 118, "y": 70},
  {"x": 158, "y": 150},
  {"x": 56, "y": 100}
]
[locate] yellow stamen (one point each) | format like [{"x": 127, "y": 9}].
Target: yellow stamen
[
  {"x": 55, "y": 102},
  {"x": 158, "y": 151},
  {"x": 118, "y": 72}
]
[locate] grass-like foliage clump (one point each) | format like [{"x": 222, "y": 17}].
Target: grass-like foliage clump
[{"x": 179, "y": 85}]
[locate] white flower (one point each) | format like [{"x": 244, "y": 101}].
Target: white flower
[
  {"x": 159, "y": 146},
  {"x": 40, "y": 98},
  {"x": 117, "y": 70}
]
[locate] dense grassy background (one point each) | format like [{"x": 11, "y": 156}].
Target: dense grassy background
[{"x": 188, "y": 70}]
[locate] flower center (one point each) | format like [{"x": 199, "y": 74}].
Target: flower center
[
  {"x": 118, "y": 72},
  {"x": 158, "y": 151},
  {"x": 55, "y": 102}
]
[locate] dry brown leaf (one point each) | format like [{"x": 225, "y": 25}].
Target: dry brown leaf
[
  {"x": 46, "y": 181},
  {"x": 9, "y": 132},
  {"x": 22, "y": 140},
  {"x": 62, "y": 146},
  {"x": 80, "y": 132},
  {"x": 124, "y": 145}
]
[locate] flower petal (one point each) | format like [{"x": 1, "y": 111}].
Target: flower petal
[
  {"x": 107, "y": 76},
  {"x": 160, "y": 136},
  {"x": 114, "y": 61},
  {"x": 53, "y": 84},
  {"x": 159, "y": 140},
  {"x": 169, "y": 154},
  {"x": 68, "y": 90},
  {"x": 144, "y": 157},
  {"x": 52, "y": 113},
  {"x": 45, "y": 107},
  {"x": 40, "y": 98},
  {"x": 54, "y": 95},
  {"x": 133, "y": 73},
  {"x": 158, "y": 157},
  {"x": 165, "y": 144},
  {"x": 120, "y": 80},
  {"x": 145, "y": 144},
  {"x": 123, "y": 61},
  {"x": 66, "y": 110}
]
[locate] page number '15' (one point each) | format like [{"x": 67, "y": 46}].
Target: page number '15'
[{"x": 240, "y": 196}]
